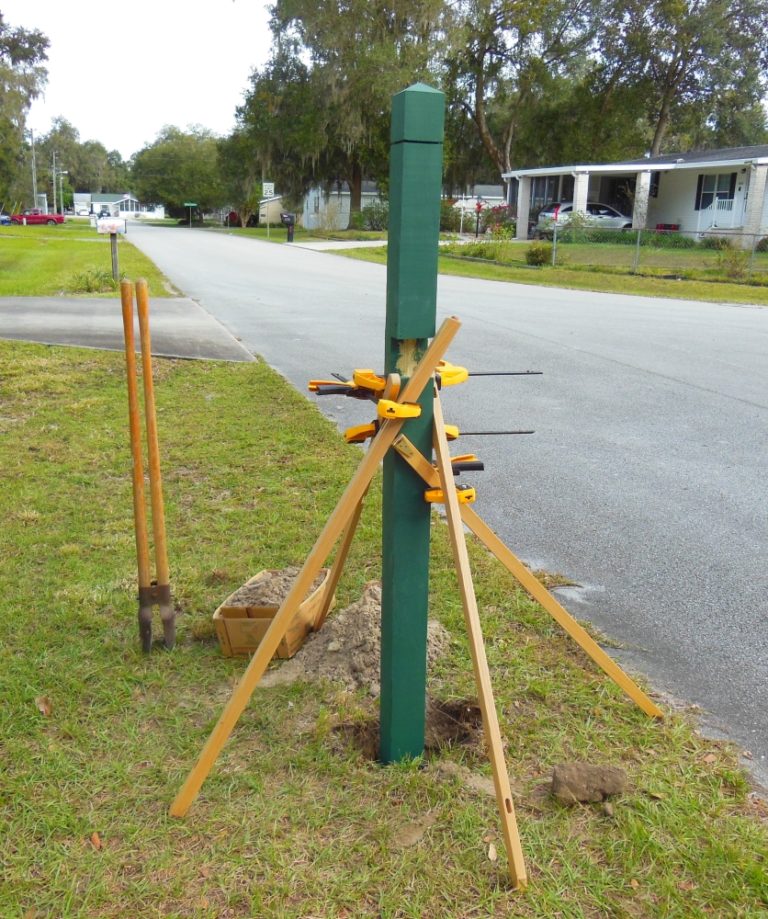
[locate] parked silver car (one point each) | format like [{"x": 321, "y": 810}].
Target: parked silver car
[{"x": 599, "y": 216}]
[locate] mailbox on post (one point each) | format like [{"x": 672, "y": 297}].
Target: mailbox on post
[
  {"x": 113, "y": 226},
  {"x": 289, "y": 222}
]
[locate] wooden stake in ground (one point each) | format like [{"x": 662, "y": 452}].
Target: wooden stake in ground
[{"x": 477, "y": 648}]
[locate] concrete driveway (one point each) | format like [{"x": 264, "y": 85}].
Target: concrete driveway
[{"x": 179, "y": 326}]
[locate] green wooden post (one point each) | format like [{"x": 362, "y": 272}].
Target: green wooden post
[{"x": 415, "y": 176}]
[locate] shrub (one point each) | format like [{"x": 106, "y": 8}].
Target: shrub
[
  {"x": 716, "y": 242},
  {"x": 499, "y": 221},
  {"x": 733, "y": 262},
  {"x": 93, "y": 281},
  {"x": 538, "y": 254},
  {"x": 450, "y": 217},
  {"x": 375, "y": 216},
  {"x": 762, "y": 245}
]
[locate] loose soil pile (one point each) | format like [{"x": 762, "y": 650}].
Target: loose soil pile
[
  {"x": 348, "y": 648},
  {"x": 270, "y": 588}
]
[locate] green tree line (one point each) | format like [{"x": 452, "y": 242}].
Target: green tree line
[{"x": 528, "y": 82}]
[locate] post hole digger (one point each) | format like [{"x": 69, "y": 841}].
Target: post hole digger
[{"x": 155, "y": 591}]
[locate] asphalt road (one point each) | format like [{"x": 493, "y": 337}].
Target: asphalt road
[{"x": 646, "y": 480}]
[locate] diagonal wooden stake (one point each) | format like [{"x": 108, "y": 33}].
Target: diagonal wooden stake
[
  {"x": 534, "y": 587},
  {"x": 339, "y": 519},
  {"x": 515, "y": 858}
]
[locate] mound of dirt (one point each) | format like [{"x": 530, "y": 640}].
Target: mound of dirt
[
  {"x": 348, "y": 648},
  {"x": 269, "y": 588}
]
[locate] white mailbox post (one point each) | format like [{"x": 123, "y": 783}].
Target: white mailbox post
[{"x": 113, "y": 226}]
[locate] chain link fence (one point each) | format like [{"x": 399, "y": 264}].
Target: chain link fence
[{"x": 715, "y": 255}]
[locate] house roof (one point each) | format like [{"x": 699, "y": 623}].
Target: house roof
[
  {"x": 112, "y": 197},
  {"x": 695, "y": 159}
]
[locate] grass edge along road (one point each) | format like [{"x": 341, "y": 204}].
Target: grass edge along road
[
  {"x": 581, "y": 279},
  {"x": 293, "y": 820},
  {"x": 71, "y": 259}
]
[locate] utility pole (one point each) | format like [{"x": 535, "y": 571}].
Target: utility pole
[
  {"x": 34, "y": 170},
  {"x": 62, "y": 173},
  {"x": 55, "y": 209},
  {"x": 415, "y": 170}
]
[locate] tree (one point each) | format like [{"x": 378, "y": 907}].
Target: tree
[
  {"x": 359, "y": 54},
  {"x": 240, "y": 174},
  {"x": 22, "y": 78},
  {"x": 179, "y": 166},
  {"x": 690, "y": 57},
  {"x": 503, "y": 57}
]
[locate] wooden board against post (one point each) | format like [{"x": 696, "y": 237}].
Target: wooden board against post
[
  {"x": 333, "y": 528},
  {"x": 515, "y": 859}
]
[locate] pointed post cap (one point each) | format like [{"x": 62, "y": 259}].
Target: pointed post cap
[{"x": 418, "y": 115}]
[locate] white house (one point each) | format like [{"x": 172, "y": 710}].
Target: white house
[
  {"x": 329, "y": 210},
  {"x": 118, "y": 204},
  {"x": 722, "y": 191}
]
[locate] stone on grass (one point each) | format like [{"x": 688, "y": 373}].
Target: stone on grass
[{"x": 573, "y": 783}]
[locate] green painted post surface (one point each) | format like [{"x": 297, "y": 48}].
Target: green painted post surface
[{"x": 415, "y": 176}]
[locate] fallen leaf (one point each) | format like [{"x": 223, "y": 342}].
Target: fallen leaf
[
  {"x": 709, "y": 758},
  {"x": 488, "y": 837},
  {"x": 493, "y": 855},
  {"x": 686, "y": 885},
  {"x": 411, "y": 833},
  {"x": 43, "y": 704},
  {"x": 95, "y": 840},
  {"x": 656, "y": 795},
  {"x": 634, "y": 884}
]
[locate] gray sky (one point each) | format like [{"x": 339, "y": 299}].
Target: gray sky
[{"x": 120, "y": 71}]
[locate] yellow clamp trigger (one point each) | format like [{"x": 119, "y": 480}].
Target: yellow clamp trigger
[
  {"x": 451, "y": 374},
  {"x": 313, "y": 384},
  {"x": 451, "y": 431},
  {"x": 367, "y": 379},
  {"x": 464, "y": 493},
  {"x": 389, "y": 409},
  {"x": 360, "y": 433},
  {"x": 464, "y": 458}
]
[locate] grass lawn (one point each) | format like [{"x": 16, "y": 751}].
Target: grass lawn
[
  {"x": 68, "y": 259},
  {"x": 96, "y": 738},
  {"x": 583, "y": 277}
]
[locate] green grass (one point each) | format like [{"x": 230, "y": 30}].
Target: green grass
[
  {"x": 584, "y": 277},
  {"x": 47, "y": 261},
  {"x": 288, "y": 824}
]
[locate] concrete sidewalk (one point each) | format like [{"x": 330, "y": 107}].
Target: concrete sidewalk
[{"x": 179, "y": 326}]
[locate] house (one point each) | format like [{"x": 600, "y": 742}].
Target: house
[
  {"x": 723, "y": 191},
  {"x": 329, "y": 210},
  {"x": 487, "y": 195},
  {"x": 118, "y": 204}
]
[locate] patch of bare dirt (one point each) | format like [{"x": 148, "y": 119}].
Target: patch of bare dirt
[
  {"x": 456, "y": 722},
  {"x": 347, "y": 649}
]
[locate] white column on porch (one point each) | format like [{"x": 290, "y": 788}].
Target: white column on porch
[
  {"x": 642, "y": 197},
  {"x": 580, "y": 192},
  {"x": 753, "y": 212},
  {"x": 523, "y": 206}
]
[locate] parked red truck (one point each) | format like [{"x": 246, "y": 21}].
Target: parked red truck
[{"x": 35, "y": 215}]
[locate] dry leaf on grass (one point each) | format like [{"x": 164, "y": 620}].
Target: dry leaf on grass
[
  {"x": 709, "y": 758},
  {"x": 634, "y": 884},
  {"x": 493, "y": 855},
  {"x": 96, "y": 840},
  {"x": 43, "y": 704}
]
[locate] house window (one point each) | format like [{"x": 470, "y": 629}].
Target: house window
[{"x": 711, "y": 188}]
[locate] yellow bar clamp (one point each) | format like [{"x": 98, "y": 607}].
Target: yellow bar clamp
[
  {"x": 389, "y": 409},
  {"x": 367, "y": 379},
  {"x": 451, "y": 374},
  {"x": 464, "y": 493},
  {"x": 360, "y": 433}
]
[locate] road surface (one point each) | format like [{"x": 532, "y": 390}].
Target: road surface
[{"x": 646, "y": 481}]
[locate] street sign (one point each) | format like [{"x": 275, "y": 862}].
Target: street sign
[
  {"x": 269, "y": 189},
  {"x": 190, "y": 204}
]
